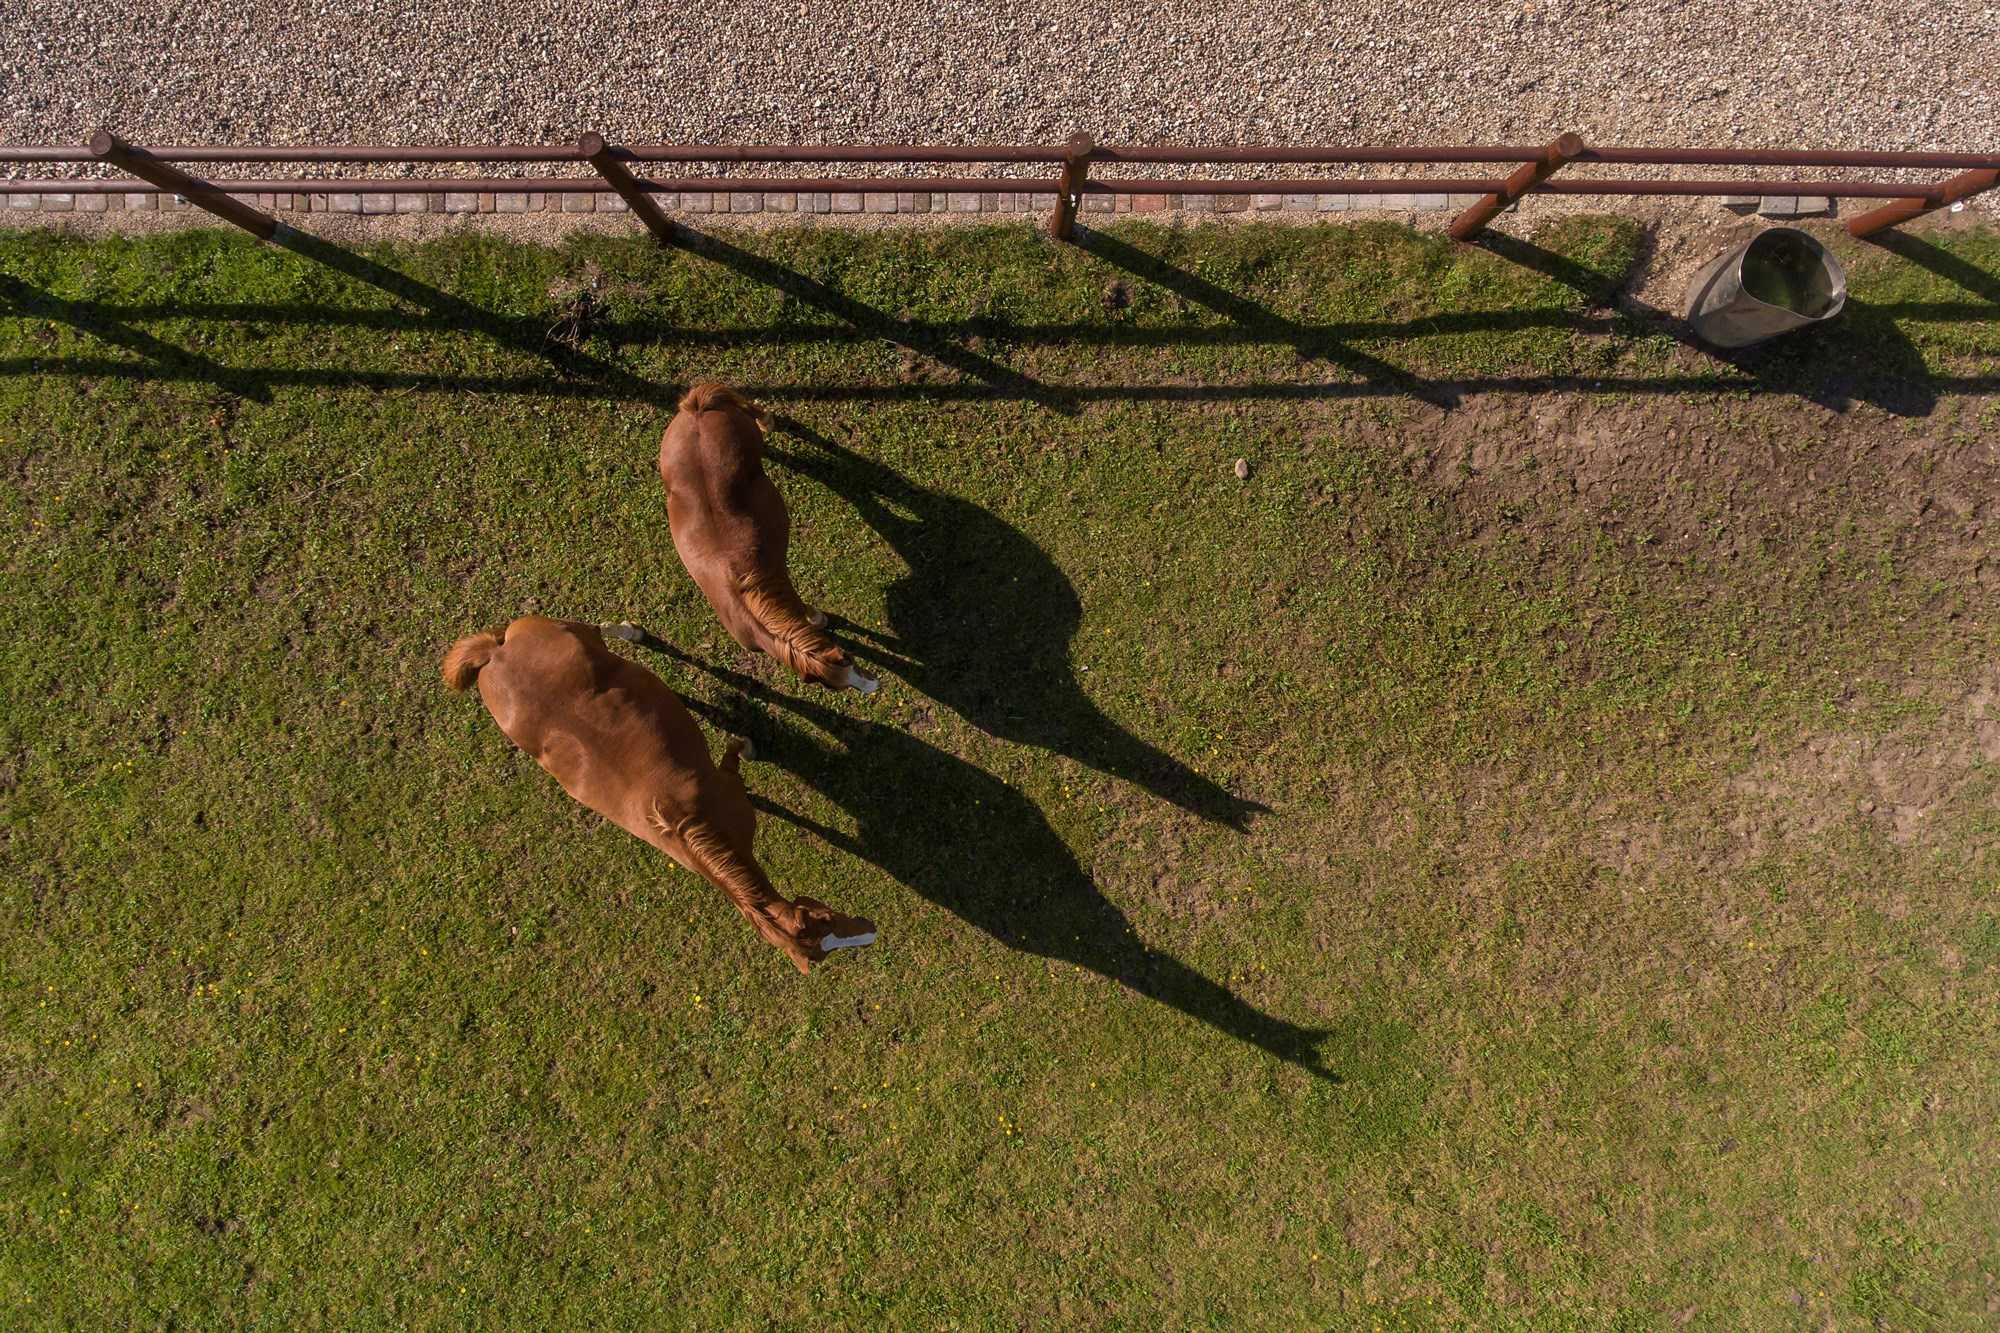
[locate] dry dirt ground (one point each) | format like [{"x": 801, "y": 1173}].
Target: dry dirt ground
[{"x": 1701, "y": 483}]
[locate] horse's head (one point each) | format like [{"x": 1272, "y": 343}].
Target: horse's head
[
  {"x": 819, "y": 930},
  {"x": 819, "y": 659}
]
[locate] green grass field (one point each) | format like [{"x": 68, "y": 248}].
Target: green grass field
[{"x": 1375, "y": 894}]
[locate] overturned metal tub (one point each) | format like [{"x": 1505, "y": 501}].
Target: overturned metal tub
[{"x": 1782, "y": 280}]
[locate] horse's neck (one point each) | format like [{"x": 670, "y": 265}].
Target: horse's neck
[
  {"x": 777, "y": 606},
  {"x": 704, "y": 850}
]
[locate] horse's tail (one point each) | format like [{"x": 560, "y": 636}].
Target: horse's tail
[{"x": 462, "y": 663}]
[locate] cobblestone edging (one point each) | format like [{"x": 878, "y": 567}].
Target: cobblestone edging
[
  {"x": 751, "y": 202},
  {"x": 865, "y": 205}
]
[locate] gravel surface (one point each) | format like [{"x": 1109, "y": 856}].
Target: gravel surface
[{"x": 1864, "y": 74}]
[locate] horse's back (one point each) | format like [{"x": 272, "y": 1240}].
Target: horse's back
[
  {"x": 600, "y": 724},
  {"x": 720, "y": 504}
]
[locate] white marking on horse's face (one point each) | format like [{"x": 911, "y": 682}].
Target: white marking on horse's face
[
  {"x": 829, "y": 943},
  {"x": 856, "y": 681}
]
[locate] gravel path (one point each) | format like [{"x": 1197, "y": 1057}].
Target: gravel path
[{"x": 1867, "y": 73}]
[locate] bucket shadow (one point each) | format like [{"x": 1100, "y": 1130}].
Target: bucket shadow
[{"x": 1861, "y": 354}]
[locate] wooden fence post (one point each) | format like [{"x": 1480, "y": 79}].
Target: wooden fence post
[
  {"x": 598, "y": 153},
  {"x": 108, "y": 147},
  {"x": 1962, "y": 186},
  {"x": 1069, "y": 193},
  {"x": 1530, "y": 174}
]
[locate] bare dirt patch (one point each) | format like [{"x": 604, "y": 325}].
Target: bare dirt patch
[
  {"x": 1903, "y": 783},
  {"x": 1722, "y": 477},
  {"x": 1718, "y": 482}
]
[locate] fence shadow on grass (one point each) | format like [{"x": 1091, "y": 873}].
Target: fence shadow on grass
[
  {"x": 577, "y": 372},
  {"x": 1310, "y": 342},
  {"x": 1862, "y": 356},
  {"x": 970, "y": 843},
  {"x": 1944, "y": 264},
  {"x": 568, "y": 360},
  {"x": 982, "y": 373},
  {"x": 167, "y": 360}
]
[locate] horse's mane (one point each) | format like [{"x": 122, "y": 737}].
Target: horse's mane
[
  {"x": 717, "y": 861},
  {"x": 776, "y": 605}
]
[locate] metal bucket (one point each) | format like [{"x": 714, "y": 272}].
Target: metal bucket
[{"x": 1781, "y": 281}]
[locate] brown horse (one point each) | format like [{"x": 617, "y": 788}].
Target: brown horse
[
  {"x": 731, "y": 528},
  {"x": 622, "y": 743}
]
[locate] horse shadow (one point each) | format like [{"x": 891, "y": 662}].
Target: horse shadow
[
  {"x": 968, "y": 842},
  {"x": 983, "y": 622}
]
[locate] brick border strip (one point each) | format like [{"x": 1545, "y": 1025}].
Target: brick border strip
[{"x": 914, "y": 203}]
